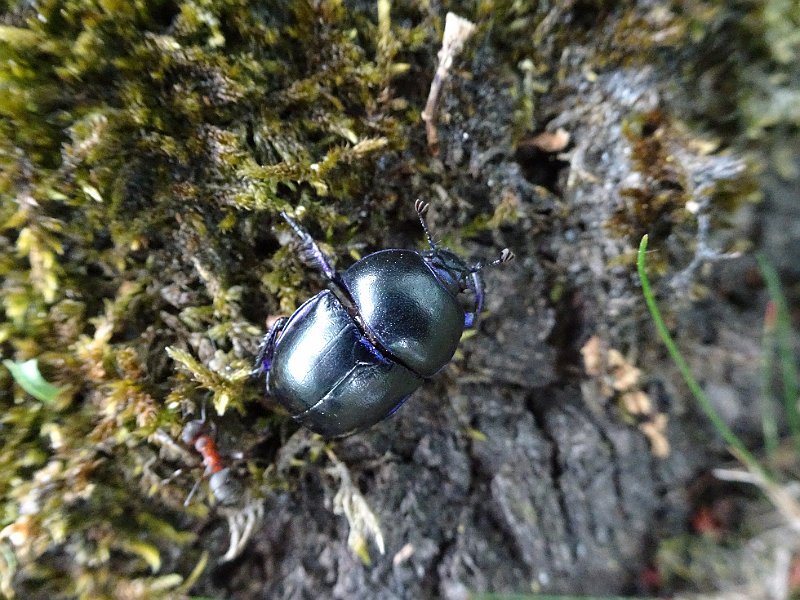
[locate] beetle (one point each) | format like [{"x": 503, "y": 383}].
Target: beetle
[{"x": 351, "y": 355}]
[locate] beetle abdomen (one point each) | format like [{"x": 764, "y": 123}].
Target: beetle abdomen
[
  {"x": 309, "y": 358},
  {"x": 368, "y": 393},
  {"x": 410, "y": 312},
  {"x": 329, "y": 377}
]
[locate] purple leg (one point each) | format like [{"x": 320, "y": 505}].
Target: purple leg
[
  {"x": 476, "y": 285},
  {"x": 267, "y": 347},
  {"x": 310, "y": 246}
]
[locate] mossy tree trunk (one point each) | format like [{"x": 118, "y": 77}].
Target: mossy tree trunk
[{"x": 148, "y": 150}]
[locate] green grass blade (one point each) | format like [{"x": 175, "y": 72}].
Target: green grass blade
[
  {"x": 783, "y": 330},
  {"x": 29, "y": 378},
  {"x": 769, "y": 419},
  {"x": 736, "y": 445}
]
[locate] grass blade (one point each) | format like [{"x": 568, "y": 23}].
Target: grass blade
[
  {"x": 783, "y": 330},
  {"x": 736, "y": 445},
  {"x": 769, "y": 420}
]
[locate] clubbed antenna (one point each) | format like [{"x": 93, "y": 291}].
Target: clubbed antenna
[
  {"x": 506, "y": 255},
  {"x": 422, "y": 209}
]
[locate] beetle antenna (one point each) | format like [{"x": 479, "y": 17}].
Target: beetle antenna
[
  {"x": 422, "y": 209},
  {"x": 506, "y": 255}
]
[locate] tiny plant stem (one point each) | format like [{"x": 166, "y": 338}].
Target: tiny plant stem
[
  {"x": 783, "y": 330},
  {"x": 769, "y": 424},
  {"x": 738, "y": 448}
]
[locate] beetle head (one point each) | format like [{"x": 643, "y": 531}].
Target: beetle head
[{"x": 451, "y": 270}]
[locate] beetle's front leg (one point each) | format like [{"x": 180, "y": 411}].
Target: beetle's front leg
[
  {"x": 313, "y": 250},
  {"x": 475, "y": 284},
  {"x": 267, "y": 347}
]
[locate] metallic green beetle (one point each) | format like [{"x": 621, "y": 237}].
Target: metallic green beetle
[{"x": 351, "y": 355}]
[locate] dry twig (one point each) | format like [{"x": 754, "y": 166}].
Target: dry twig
[{"x": 457, "y": 30}]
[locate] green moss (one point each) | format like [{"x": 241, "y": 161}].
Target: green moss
[
  {"x": 660, "y": 201},
  {"x": 665, "y": 202},
  {"x": 741, "y": 64},
  {"x": 145, "y": 149}
]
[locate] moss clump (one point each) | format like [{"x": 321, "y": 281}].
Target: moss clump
[
  {"x": 660, "y": 200},
  {"x": 145, "y": 148},
  {"x": 678, "y": 190}
]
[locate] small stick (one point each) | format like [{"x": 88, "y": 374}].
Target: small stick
[{"x": 457, "y": 30}]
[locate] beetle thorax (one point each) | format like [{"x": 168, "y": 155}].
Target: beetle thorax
[{"x": 448, "y": 268}]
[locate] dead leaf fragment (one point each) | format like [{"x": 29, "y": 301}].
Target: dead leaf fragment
[
  {"x": 636, "y": 402},
  {"x": 403, "y": 554},
  {"x": 592, "y": 356},
  {"x": 625, "y": 375},
  {"x": 617, "y": 376},
  {"x": 550, "y": 141},
  {"x": 655, "y": 431}
]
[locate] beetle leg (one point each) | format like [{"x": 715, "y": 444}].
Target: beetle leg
[
  {"x": 422, "y": 208},
  {"x": 313, "y": 250},
  {"x": 267, "y": 347},
  {"x": 474, "y": 283}
]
